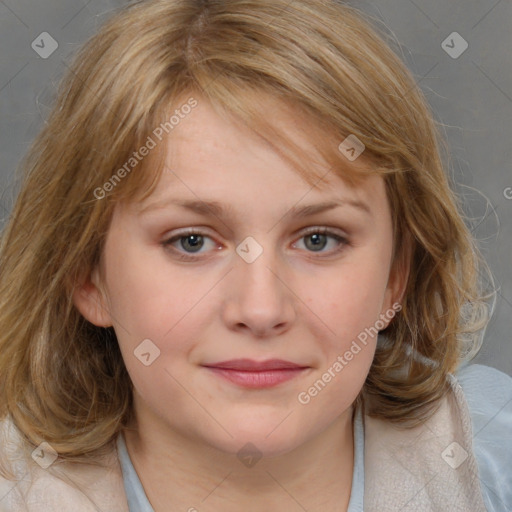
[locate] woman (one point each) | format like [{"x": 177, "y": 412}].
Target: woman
[{"x": 236, "y": 254}]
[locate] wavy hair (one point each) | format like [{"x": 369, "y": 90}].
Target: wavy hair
[{"x": 62, "y": 379}]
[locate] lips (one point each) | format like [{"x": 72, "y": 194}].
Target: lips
[
  {"x": 247, "y": 373},
  {"x": 249, "y": 365}
]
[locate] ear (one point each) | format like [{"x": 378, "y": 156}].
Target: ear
[
  {"x": 399, "y": 275},
  {"x": 90, "y": 300}
]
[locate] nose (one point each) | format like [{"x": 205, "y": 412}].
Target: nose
[{"x": 259, "y": 299}]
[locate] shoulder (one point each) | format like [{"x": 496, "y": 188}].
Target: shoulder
[
  {"x": 488, "y": 393},
  {"x": 13, "y": 468},
  {"x": 34, "y": 480}
]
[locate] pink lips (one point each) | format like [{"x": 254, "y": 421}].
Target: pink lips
[{"x": 254, "y": 374}]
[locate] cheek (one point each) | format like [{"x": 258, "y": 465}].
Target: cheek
[
  {"x": 347, "y": 347},
  {"x": 150, "y": 319},
  {"x": 348, "y": 307},
  {"x": 146, "y": 301},
  {"x": 351, "y": 301}
]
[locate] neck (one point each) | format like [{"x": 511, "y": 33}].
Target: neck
[{"x": 180, "y": 473}]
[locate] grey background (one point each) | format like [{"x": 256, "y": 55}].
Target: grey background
[{"x": 471, "y": 96}]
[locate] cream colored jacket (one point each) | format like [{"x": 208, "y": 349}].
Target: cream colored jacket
[{"x": 405, "y": 470}]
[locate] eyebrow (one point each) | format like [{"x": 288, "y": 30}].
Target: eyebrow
[{"x": 216, "y": 209}]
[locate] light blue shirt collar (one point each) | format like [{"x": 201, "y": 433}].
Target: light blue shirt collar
[{"x": 138, "y": 501}]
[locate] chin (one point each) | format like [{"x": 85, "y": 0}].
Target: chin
[
  {"x": 265, "y": 440},
  {"x": 243, "y": 447}
]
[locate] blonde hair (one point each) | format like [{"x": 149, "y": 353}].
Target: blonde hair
[{"x": 62, "y": 379}]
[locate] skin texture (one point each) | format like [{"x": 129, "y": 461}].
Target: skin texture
[{"x": 297, "y": 301}]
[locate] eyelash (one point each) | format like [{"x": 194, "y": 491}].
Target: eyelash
[{"x": 167, "y": 244}]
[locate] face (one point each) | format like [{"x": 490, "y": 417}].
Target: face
[{"x": 248, "y": 277}]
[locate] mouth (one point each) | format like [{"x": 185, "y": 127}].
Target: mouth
[{"x": 256, "y": 374}]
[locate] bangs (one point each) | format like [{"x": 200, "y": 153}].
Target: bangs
[{"x": 313, "y": 146}]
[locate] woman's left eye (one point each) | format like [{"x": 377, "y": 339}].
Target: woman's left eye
[{"x": 315, "y": 240}]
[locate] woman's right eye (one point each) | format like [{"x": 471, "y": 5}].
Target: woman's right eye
[{"x": 191, "y": 242}]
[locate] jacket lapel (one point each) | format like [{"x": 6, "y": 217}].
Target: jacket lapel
[{"x": 429, "y": 468}]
